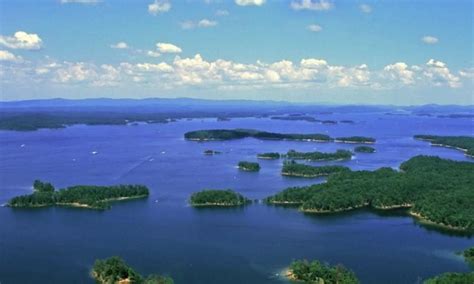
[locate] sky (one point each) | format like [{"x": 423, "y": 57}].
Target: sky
[{"x": 312, "y": 51}]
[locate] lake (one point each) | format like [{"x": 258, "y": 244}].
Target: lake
[{"x": 164, "y": 235}]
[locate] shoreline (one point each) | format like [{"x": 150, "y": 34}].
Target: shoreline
[
  {"x": 353, "y": 142},
  {"x": 446, "y": 146},
  {"x": 426, "y": 221},
  {"x": 217, "y": 204},
  {"x": 302, "y": 175}
]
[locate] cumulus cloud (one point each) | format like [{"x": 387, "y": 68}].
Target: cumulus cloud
[
  {"x": 439, "y": 74},
  {"x": 204, "y": 23},
  {"x": 120, "y": 45},
  {"x": 429, "y": 39},
  {"x": 168, "y": 48},
  {"x": 365, "y": 8},
  {"x": 159, "y": 7},
  {"x": 250, "y": 2},
  {"x": 314, "y": 28},
  {"x": 8, "y": 56},
  {"x": 21, "y": 40},
  {"x": 152, "y": 53},
  {"x": 313, "y": 5},
  {"x": 400, "y": 72}
]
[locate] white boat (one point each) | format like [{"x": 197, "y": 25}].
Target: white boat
[{"x": 94, "y": 152}]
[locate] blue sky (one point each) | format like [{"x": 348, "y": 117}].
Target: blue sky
[{"x": 372, "y": 52}]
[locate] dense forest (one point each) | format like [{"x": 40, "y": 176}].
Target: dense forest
[
  {"x": 452, "y": 278},
  {"x": 356, "y": 139},
  {"x": 230, "y": 134},
  {"x": 269, "y": 156},
  {"x": 465, "y": 143},
  {"x": 294, "y": 169},
  {"x": 95, "y": 197},
  {"x": 319, "y": 156},
  {"x": 114, "y": 270},
  {"x": 215, "y": 197},
  {"x": 364, "y": 149},
  {"x": 318, "y": 272},
  {"x": 249, "y": 166},
  {"x": 436, "y": 190}
]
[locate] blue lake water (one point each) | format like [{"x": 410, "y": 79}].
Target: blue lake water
[{"x": 245, "y": 245}]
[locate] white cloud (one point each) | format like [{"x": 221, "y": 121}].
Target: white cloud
[
  {"x": 8, "y": 56},
  {"x": 222, "y": 13},
  {"x": 400, "y": 72},
  {"x": 80, "y": 1},
  {"x": 159, "y": 7},
  {"x": 429, "y": 39},
  {"x": 168, "y": 48},
  {"x": 21, "y": 40},
  {"x": 120, "y": 45},
  {"x": 152, "y": 53},
  {"x": 313, "y": 5},
  {"x": 365, "y": 8},
  {"x": 314, "y": 28},
  {"x": 250, "y": 2},
  {"x": 205, "y": 23},
  {"x": 439, "y": 74}
]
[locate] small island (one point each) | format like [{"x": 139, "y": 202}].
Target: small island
[
  {"x": 230, "y": 134},
  {"x": 438, "y": 192},
  {"x": 269, "y": 156},
  {"x": 469, "y": 254},
  {"x": 211, "y": 152},
  {"x": 355, "y": 140},
  {"x": 364, "y": 149},
  {"x": 328, "y": 122},
  {"x": 114, "y": 270},
  {"x": 462, "y": 143},
  {"x": 451, "y": 278},
  {"x": 218, "y": 198},
  {"x": 318, "y": 272},
  {"x": 295, "y": 118},
  {"x": 319, "y": 156},
  {"x": 347, "y": 121},
  {"x": 294, "y": 169},
  {"x": 81, "y": 196},
  {"x": 249, "y": 166}
]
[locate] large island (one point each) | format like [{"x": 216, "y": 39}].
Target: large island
[
  {"x": 230, "y": 134},
  {"x": 319, "y": 156},
  {"x": 81, "y": 196},
  {"x": 114, "y": 270},
  {"x": 217, "y": 198},
  {"x": 437, "y": 191},
  {"x": 301, "y": 170}
]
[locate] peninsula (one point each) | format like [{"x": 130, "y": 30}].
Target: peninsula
[
  {"x": 81, "y": 196},
  {"x": 218, "y": 198},
  {"x": 115, "y": 270},
  {"x": 435, "y": 190},
  {"x": 318, "y": 272},
  {"x": 463, "y": 143},
  {"x": 451, "y": 278}
]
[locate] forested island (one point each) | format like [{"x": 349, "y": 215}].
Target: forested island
[
  {"x": 321, "y": 273},
  {"x": 269, "y": 156},
  {"x": 437, "y": 191},
  {"x": 319, "y": 156},
  {"x": 230, "y": 134},
  {"x": 463, "y": 143},
  {"x": 452, "y": 278},
  {"x": 82, "y": 196},
  {"x": 355, "y": 140},
  {"x": 291, "y": 168},
  {"x": 215, "y": 197},
  {"x": 469, "y": 254},
  {"x": 364, "y": 149},
  {"x": 114, "y": 270},
  {"x": 249, "y": 166},
  {"x": 296, "y": 118}
]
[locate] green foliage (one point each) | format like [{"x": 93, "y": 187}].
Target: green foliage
[
  {"x": 462, "y": 142},
  {"x": 230, "y": 134},
  {"x": 213, "y": 197},
  {"x": 364, "y": 149},
  {"x": 300, "y": 170},
  {"x": 317, "y": 272},
  {"x": 439, "y": 190},
  {"x": 269, "y": 156},
  {"x": 319, "y": 156},
  {"x": 249, "y": 166},
  {"x": 40, "y": 186},
  {"x": 114, "y": 269},
  {"x": 356, "y": 139},
  {"x": 469, "y": 254},
  {"x": 96, "y": 197},
  {"x": 452, "y": 278}
]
